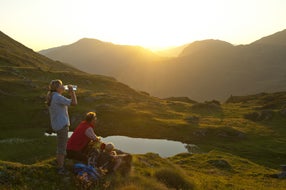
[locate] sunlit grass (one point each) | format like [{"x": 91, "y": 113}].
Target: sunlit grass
[
  {"x": 149, "y": 171},
  {"x": 235, "y": 153}
]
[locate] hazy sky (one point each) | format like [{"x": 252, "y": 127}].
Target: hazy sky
[{"x": 41, "y": 24}]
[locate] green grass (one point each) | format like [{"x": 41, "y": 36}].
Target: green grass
[
  {"x": 123, "y": 111},
  {"x": 173, "y": 178},
  {"x": 149, "y": 171},
  {"x": 252, "y": 149}
]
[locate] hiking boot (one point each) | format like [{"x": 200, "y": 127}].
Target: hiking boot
[
  {"x": 49, "y": 131},
  {"x": 62, "y": 171},
  {"x": 282, "y": 175}
]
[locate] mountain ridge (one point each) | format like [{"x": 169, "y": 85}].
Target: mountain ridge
[
  {"x": 96, "y": 51},
  {"x": 278, "y": 38},
  {"x": 205, "y": 69},
  {"x": 203, "y": 45}
]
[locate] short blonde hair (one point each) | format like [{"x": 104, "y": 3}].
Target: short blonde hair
[
  {"x": 90, "y": 116},
  {"x": 109, "y": 147},
  {"x": 55, "y": 84}
]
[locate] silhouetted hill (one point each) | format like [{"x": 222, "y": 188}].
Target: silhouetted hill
[
  {"x": 203, "y": 70},
  {"x": 278, "y": 38},
  {"x": 94, "y": 56},
  {"x": 206, "y": 47}
]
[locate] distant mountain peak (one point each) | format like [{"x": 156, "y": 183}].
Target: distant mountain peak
[
  {"x": 206, "y": 45},
  {"x": 85, "y": 40},
  {"x": 211, "y": 41},
  {"x": 89, "y": 42}
]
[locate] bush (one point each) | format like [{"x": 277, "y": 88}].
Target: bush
[
  {"x": 253, "y": 116},
  {"x": 193, "y": 119},
  {"x": 172, "y": 178},
  {"x": 145, "y": 93},
  {"x": 207, "y": 107},
  {"x": 213, "y": 102},
  {"x": 181, "y": 99},
  {"x": 220, "y": 164},
  {"x": 283, "y": 112},
  {"x": 264, "y": 115}
]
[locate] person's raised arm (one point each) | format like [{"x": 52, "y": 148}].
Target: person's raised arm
[{"x": 73, "y": 95}]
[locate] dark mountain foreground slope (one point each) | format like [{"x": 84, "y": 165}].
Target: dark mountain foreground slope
[{"x": 240, "y": 142}]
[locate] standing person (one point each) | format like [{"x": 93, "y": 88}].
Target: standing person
[
  {"x": 58, "y": 109},
  {"x": 80, "y": 138}
]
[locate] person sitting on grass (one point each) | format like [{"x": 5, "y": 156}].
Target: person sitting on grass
[
  {"x": 82, "y": 135},
  {"x": 111, "y": 161}
]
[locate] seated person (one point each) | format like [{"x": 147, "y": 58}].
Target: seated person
[
  {"x": 111, "y": 161},
  {"x": 82, "y": 135}
]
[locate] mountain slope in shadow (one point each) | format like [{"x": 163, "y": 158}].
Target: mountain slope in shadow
[{"x": 203, "y": 70}]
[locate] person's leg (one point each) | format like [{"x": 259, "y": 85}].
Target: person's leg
[
  {"x": 62, "y": 136},
  {"x": 117, "y": 164},
  {"x": 60, "y": 160},
  {"x": 123, "y": 163}
]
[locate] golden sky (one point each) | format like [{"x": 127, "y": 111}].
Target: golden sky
[{"x": 155, "y": 24}]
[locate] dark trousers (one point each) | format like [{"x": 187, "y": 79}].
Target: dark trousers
[{"x": 77, "y": 155}]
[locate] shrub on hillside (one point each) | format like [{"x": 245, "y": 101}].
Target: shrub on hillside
[
  {"x": 192, "y": 119},
  {"x": 207, "y": 107},
  {"x": 181, "y": 99},
  {"x": 253, "y": 116},
  {"x": 264, "y": 115},
  {"x": 145, "y": 93},
  {"x": 220, "y": 164},
  {"x": 172, "y": 178},
  {"x": 239, "y": 99},
  {"x": 213, "y": 102},
  {"x": 283, "y": 112}
]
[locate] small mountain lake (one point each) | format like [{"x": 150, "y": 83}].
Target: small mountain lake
[{"x": 163, "y": 147}]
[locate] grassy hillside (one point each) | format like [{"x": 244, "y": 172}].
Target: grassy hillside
[
  {"x": 214, "y": 170},
  {"x": 240, "y": 142},
  {"x": 203, "y": 70}
]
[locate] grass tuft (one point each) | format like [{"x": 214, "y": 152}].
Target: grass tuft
[{"x": 173, "y": 178}]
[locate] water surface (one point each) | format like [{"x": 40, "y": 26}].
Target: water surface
[{"x": 163, "y": 147}]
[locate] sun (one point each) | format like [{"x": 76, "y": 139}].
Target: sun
[
  {"x": 152, "y": 24},
  {"x": 155, "y": 25}
]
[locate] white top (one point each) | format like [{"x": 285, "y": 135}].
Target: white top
[
  {"x": 59, "y": 111},
  {"x": 90, "y": 133}
]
